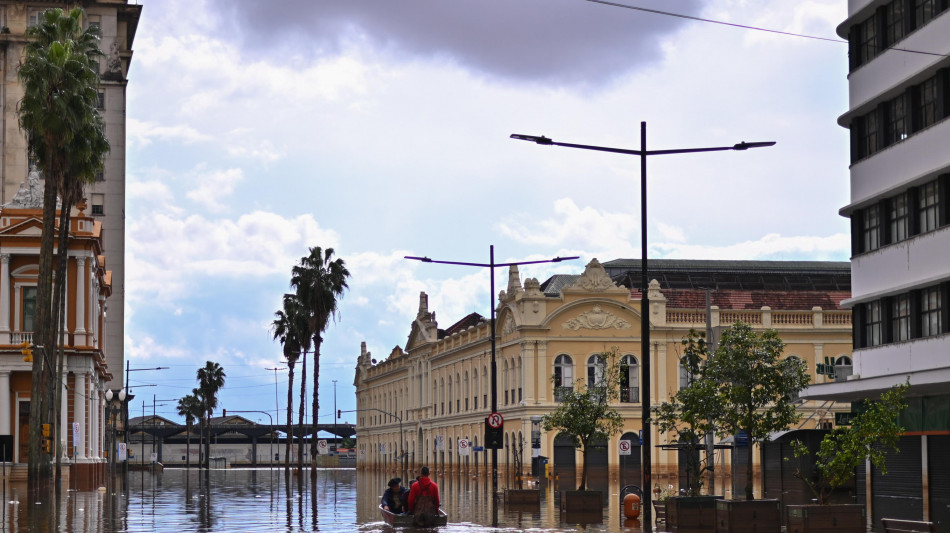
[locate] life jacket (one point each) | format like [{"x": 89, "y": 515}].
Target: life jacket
[{"x": 425, "y": 510}]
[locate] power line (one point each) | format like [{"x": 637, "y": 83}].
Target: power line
[{"x": 754, "y": 28}]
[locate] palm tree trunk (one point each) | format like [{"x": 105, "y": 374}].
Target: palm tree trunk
[
  {"x": 208, "y": 440},
  {"x": 316, "y": 405},
  {"x": 290, "y": 415},
  {"x": 303, "y": 398},
  {"x": 59, "y": 310},
  {"x": 188, "y": 446},
  {"x": 39, "y": 464}
]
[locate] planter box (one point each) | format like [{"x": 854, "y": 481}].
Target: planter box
[
  {"x": 741, "y": 516},
  {"x": 523, "y": 497},
  {"x": 692, "y": 514},
  {"x": 582, "y": 501},
  {"x": 826, "y": 519}
]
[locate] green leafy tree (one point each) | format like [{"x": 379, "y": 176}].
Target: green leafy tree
[
  {"x": 319, "y": 281},
  {"x": 690, "y": 414},
  {"x": 585, "y": 414},
  {"x": 874, "y": 431},
  {"x": 755, "y": 387},
  {"x": 291, "y": 328},
  {"x": 211, "y": 379},
  {"x": 59, "y": 74},
  {"x": 189, "y": 407}
]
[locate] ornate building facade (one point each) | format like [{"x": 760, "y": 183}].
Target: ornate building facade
[
  {"x": 419, "y": 403},
  {"x": 85, "y": 370}
]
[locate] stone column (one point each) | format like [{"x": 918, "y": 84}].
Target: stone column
[
  {"x": 5, "y": 426},
  {"x": 79, "y": 410},
  {"x": 5, "y": 317},
  {"x": 81, "y": 303}
]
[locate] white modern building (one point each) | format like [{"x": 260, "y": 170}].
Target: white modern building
[{"x": 899, "y": 89}]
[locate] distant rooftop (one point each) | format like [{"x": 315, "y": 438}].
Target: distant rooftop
[{"x": 735, "y": 275}]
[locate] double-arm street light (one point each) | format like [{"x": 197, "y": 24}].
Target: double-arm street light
[
  {"x": 491, "y": 265},
  {"x": 644, "y": 289}
]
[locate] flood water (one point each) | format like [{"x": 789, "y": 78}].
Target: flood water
[{"x": 343, "y": 500}]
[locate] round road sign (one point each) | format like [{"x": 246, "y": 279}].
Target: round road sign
[{"x": 495, "y": 420}]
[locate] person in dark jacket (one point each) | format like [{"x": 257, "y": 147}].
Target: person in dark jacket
[
  {"x": 396, "y": 497},
  {"x": 424, "y": 484}
]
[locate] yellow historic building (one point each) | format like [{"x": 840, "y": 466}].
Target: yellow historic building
[
  {"x": 435, "y": 392},
  {"x": 85, "y": 371}
]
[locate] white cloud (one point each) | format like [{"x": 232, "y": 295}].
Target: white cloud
[
  {"x": 213, "y": 186},
  {"x": 166, "y": 254},
  {"x": 143, "y": 133},
  {"x": 147, "y": 348}
]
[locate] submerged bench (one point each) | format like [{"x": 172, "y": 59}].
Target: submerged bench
[{"x": 893, "y": 525}]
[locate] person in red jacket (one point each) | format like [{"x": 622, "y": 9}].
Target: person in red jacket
[{"x": 424, "y": 485}]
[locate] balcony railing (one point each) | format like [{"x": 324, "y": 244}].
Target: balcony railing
[{"x": 629, "y": 394}]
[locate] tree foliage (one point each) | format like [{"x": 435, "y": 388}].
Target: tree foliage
[
  {"x": 190, "y": 407},
  {"x": 319, "y": 282},
  {"x": 585, "y": 414},
  {"x": 692, "y": 411},
  {"x": 874, "y": 431},
  {"x": 211, "y": 379},
  {"x": 755, "y": 387}
]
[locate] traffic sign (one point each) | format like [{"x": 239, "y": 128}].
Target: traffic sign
[
  {"x": 495, "y": 420},
  {"x": 625, "y": 447},
  {"x": 322, "y": 447},
  {"x": 463, "y": 447}
]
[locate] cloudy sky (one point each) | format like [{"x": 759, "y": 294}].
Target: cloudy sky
[{"x": 381, "y": 129}]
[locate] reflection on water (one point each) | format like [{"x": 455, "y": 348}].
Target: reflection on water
[{"x": 265, "y": 500}]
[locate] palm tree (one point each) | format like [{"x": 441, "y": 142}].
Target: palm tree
[
  {"x": 189, "y": 407},
  {"x": 290, "y": 328},
  {"x": 319, "y": 281},
  {"x": 210, "y": 380},
  {"x": 59, "y": 73}
]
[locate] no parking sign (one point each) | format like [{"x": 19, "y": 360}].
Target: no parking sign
[
  {"x": 464, "y": 447},
  {"x": 625, "y": 447}
]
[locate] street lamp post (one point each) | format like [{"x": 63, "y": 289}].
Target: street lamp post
[
  {"x": 644, "y": 290},
  {"x": 494, "y": 367},
  {"x": 114, "y": 411}
]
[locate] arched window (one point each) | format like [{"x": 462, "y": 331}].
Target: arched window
[
  {"x": 465, "y": 392},
  {"x": 505, "y": 376},
  {"x": 450, "y": 395},
  {"x": 563, "y": 375},
  {"x": 596, "y": 366},
  {"x": 458, "y": 394},
  {"x": 475, "y": 388},
  {"x": 518, "y": 381},
  {"x": 629, "y": 379}
]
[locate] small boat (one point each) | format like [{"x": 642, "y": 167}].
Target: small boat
[{"x": 405, "y": 520}]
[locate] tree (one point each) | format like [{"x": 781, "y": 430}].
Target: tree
[
  {"x": 210, "y": 380},
  {"x": 584, "y": 414},
  {"x": 59, "y": 73},
  {"x": 290, "y": 327},
  {"x": 872, "y": 432},
  {"x": 319, "y": 281},
  {"x": 189, "y": 407},
  {"x": 754, "y": 386},
  {"x": 691, "y": 413}
]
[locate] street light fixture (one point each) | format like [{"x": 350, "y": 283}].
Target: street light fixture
[
  {"x": 114, "y": 410},
  {"x": 494, "y": 368},
  {"x": 644, "y": 290}
]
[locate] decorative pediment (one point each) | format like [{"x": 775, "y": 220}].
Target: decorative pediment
[
  {"x": 596, "y": 318},
  {"x": 594, "y": 278}
]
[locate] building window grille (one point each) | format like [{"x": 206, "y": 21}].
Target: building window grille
[
  {"x": 897, "y": 120},
  {"x": 930, "y": 312},
  {"x": 868, "y": 39},
  {"x": 872, "y": 324},
  {"x": 929, "y": 203},
  {"x": 928, "y": 102},
  {"x": 871, "y": 228},
  {"x": 899, "y": 218},
  {"x": 900, "y": 318},
  {"x": 870, "y": 144},
  {"x": 894, "y": 22}
]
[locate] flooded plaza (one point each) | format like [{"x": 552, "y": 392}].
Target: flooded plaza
[{"x": 180, "y": 501}]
